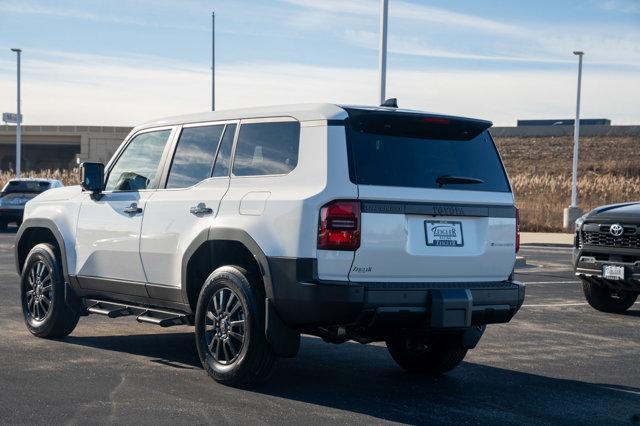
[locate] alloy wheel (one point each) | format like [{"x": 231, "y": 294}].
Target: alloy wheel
[
  {"x": 225, "y": 326},
  {"x": 39, "y": 290}
]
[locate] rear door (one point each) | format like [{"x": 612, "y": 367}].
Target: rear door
[
  {"x": 435, "y": 200},
  {"x": 182, "y": 212}
]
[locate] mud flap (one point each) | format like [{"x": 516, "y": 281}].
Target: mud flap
[
  {"x": 472, "y": 335},
  {"x": 284, "y": 340},
  {"x": 451, "y": 308},
  {"x": 73, "y": 301}
]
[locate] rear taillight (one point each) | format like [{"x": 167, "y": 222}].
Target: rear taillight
[
  {"x": 517, "y": 230},
  {"x": 339, "y": 227}
]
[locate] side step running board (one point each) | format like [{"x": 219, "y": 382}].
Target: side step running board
[{"x": 161, "y": 317}]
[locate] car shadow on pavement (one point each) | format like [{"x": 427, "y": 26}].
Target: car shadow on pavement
[{"x": 364, "y": 379}]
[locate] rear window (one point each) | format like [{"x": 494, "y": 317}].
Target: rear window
[
  {"x": 410, "y": 150},
  {"x": 27, "y": 186}
]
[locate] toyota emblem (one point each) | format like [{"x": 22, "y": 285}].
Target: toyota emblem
[{"x": 616, "y": 230}]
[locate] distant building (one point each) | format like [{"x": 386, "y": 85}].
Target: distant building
[
  {"x": 567, "y": 122},
  {"x": 59, "y": 147}
]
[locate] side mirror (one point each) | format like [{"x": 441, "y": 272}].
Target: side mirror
[{"x": 92, "y": 175}]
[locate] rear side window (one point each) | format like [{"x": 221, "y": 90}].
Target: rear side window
[
  {"x": 267, "y": 148},
  {"x": 424, "y": 152},
  {"x": 193, "y": 159},
  {"x": 223, "y": 160}
]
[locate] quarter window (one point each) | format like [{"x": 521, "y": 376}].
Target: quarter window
[
  {"x": 267, "y": 148},
  {"x": 137, "y": 167},
  {"x": 194, "y": 155}
]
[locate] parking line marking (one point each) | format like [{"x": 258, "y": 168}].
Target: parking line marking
[
  {"x": 552, "y": 282},
  {"x": 553, "y": 305},
  {"x": 622, "y": 390}
]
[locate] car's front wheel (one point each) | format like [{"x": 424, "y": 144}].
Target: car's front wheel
[
  {"x": 607, "y": 300},
  {"x": 45, "y": 311},
  {"x": 427, "y": 355},
  {"x": 230, "y": 331}
]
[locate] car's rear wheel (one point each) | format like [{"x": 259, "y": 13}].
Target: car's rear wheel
[
  {"x": 427, "y": 355},
  {"x": 45, "y": 311},
  {"x": 230, "y": 328},
  {"x": 607, "y": 300}
]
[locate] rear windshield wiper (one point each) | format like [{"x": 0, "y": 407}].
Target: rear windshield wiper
[{"x": 460, "y": 180}]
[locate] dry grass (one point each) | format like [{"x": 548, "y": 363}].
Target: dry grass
[
  {"x": 68, "y": 177},
  {"x": 540, "y": 172}
]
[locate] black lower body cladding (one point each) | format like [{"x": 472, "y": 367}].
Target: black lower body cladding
[{"x": 301, "y": 300}]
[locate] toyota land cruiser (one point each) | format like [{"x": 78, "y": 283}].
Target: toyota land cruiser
[{"x": 257, "y": 225}]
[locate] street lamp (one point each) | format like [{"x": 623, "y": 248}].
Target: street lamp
[
  {"x": 573, "y": 212},
  {"x": 213, "y": 61},
  {"x": 384, "y": 11},
  {"x": 19, "y": 119}
]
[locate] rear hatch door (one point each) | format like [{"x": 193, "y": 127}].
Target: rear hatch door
[{"x": 435, "y": 199}]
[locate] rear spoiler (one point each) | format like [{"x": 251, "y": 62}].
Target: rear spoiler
[{"x": 415, "y": 125}]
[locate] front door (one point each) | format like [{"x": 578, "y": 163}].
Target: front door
[{"x": 109, "y": 224}]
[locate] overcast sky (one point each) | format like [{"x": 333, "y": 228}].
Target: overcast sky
[{"x": 120, "y": 63}]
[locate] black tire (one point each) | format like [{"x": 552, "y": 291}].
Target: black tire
[
  {"x": 217, "y": 321},
  {"x": 45, "y": 311},
  {"x": 606, "y": 300},
  {"x": 431, "y": 355}
]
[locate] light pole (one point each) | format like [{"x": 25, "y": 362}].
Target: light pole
[
  {"x": 384, "y": 11},
  {"x": 573, "y": 212},
  {"x": 18, "y": 120},
  {"x": 213, "y": 61}
]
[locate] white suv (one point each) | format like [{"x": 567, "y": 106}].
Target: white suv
[{"x": 257, "y": 225}]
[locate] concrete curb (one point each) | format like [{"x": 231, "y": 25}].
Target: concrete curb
[{"x": 546, "y": 245}]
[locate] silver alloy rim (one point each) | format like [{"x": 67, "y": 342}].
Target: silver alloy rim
[
  {"x": 39, "y": 291},
  {"x": 224, "y": 326}
]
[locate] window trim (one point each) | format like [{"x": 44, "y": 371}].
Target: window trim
[
  {"x": 282, "y": 119},
  {"x": 166, "y": 169},
  {"x": 125, "y": 145}
]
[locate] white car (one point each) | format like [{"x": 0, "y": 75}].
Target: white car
[{"x": 257, "y": 225}]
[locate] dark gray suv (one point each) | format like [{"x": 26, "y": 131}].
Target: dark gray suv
[
  {"x": 607, "y": 256},
  {"x": 15, "y": 195}
]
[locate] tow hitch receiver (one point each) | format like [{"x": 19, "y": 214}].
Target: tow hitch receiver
[{"x": 451, "y": 308}]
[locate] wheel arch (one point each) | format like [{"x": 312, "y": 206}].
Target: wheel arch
[
  {"x": 217, "y": 247},
  {"x": 37, "y": 231}
]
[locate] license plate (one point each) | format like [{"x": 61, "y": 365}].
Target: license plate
[
  {"x": 444, "y": 234},
  {"x": 613, "y": 272}
]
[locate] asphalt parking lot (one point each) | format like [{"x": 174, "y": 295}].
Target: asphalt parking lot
[{"x": 558, "y": 361}]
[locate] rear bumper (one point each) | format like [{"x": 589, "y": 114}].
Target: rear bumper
[
  {"x": 302, "y": 300},
  {"x": 11, "y": 215}
]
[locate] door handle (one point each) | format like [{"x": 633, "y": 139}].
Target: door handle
[
  {"x": 132, "y": 209},
  {"x": 201, "y": 208}
]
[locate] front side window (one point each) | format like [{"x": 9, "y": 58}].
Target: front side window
[
  {"x": 137, "y": 167},
  {"x": 194, "y": 155},
  {"x": 267, "y": 148}
]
